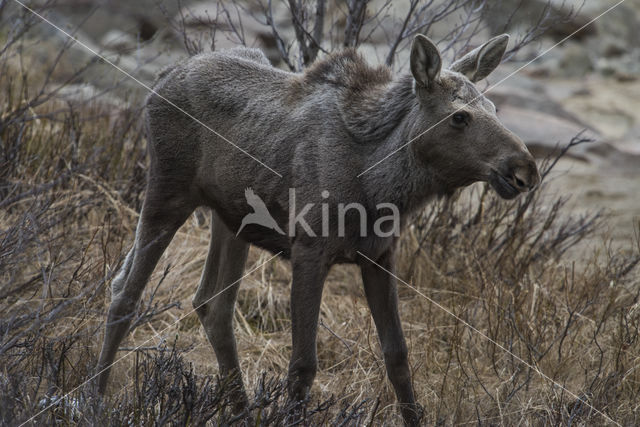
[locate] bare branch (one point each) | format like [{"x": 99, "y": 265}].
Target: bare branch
[
  {"x": 238, "y": 29},
  {"x": 309, "y": 44},
  {"x": 282, "y": 48},
  {"x": 401, "y": 36},
  {"x": 318, "y": 26},
  {"x": 355, "y": 20}
]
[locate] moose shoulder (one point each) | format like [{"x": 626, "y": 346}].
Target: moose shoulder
[{"x": 287, "y": 151}]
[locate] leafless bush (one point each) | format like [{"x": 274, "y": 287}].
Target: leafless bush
[
  {"x": 321, "y": 27},
  {"x": 55, "y": 171},
  {"x": 499, "y": 266}
]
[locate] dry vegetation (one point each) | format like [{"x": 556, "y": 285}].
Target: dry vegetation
[{"x": 528, "y": 336}]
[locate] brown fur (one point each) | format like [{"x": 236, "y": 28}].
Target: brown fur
[{"x": 319, "y": 130}]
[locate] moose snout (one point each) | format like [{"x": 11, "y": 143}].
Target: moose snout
[
  {"x": 524, "y": 175},
  {"x": 514, "y": 176}
]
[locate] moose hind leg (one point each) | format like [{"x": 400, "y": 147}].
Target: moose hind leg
[
  {"x": 121, "y": 277},
  {"x": 156, "y": 227},
  {"x": 215, "y": 301}
]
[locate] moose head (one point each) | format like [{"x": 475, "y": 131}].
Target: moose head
[{"x": 460, "y": 132}]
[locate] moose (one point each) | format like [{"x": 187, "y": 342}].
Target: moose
[{"x": 261, "y": 128}]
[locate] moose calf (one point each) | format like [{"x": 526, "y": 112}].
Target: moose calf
[{"x": 243, "y": 124}]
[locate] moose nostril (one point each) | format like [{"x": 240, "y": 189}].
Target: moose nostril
[{"x": 518, "y": 182}]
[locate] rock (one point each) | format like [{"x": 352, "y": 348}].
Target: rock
[
  {"x": 624, "y": 68},
  {"x": 514, "y": 15},
  {"x": 555, "y": 111},
  {"x": 605, "y": 36},
  {"x": 623, "y": 160},
  {"x": 140, "y": 19},
  {"x": 572, "y": 59},
  {"x": 576, "y": 61},
  {"x": 611, "y": 47},
  {"x": 620, "y": 23},
  {"x": 506, "y": 96},
  {"x": 544, "y": 133},
  {"x": 510, "y": 87},
  {"x": 612, "y": 107},
  {"x": 118, "y": 41}
]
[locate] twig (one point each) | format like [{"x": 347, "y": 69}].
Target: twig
[{"x": 337, "y": 336}]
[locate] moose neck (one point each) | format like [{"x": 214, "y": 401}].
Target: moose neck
[
  {"x": 372, "y": 115},
  {"x": 399, "y": 178}
]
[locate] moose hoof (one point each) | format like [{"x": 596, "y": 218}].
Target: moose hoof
[{"x": 412, "y": 414}]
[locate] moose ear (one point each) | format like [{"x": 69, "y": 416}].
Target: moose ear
[
  {"x": 480, "y": 62},
  {"x": 425, "y": 61}
]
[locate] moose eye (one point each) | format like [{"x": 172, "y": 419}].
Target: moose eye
[{"x": 460, "y": 119}]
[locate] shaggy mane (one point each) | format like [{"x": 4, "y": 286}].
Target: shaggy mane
[
  {"x": 371, "y": 104},
  {"x": 347, "y": 69}
]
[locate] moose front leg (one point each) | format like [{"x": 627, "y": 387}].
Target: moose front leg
[
  {"x": 309, "y": 271},
  {"x": 382, "y": 297}
]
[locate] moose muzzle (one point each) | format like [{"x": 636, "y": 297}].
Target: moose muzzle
[{"x": 514, "y": 176}]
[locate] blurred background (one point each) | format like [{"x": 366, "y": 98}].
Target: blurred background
[
  {"x": 551, "y": 277},
  {"x": 588, "y": 82}
]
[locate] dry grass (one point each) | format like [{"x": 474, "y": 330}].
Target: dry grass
[{"x": 71, "y": 181}]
